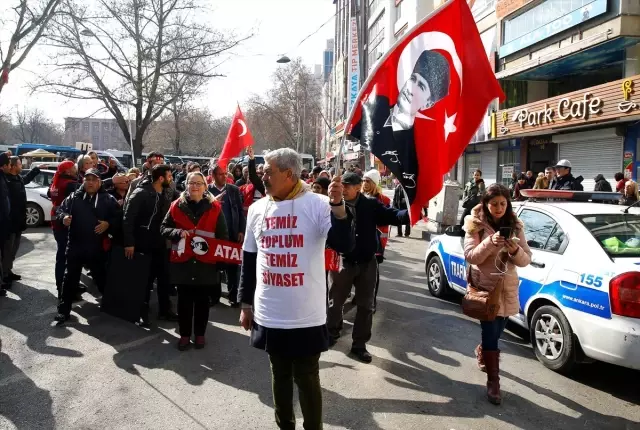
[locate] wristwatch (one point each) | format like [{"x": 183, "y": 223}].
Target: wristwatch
[{"x": 337, "y": 204}]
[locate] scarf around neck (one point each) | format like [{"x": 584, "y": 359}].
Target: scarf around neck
[{"x": 299, "y": 188}]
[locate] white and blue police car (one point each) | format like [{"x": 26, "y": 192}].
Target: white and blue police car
[{"x": 580, "y": 296}]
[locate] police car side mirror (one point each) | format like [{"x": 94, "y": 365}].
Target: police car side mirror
[
  {"x": 534, "y": 244},
  {"x": 455, "y": 231}
]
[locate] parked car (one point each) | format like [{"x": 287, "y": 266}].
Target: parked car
[
  {"x": 38, "y": 206},
  {"x": 43, "y": 179},
  {"x": 580, "y": 297}
]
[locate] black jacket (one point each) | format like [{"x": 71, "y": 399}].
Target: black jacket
[
  {"x": 399, "y": 202},
  {"x": 85, "y": 213},
  {"x": 193, "y": 272},
  {"x": 602, "y": 184},
  {"x": 144, "y": 211},
  {"x": 567, "y": 183},
  {"x": 370, "y": 213},
  {"x": 18, "y": 199},
  {"x": 5, "y": 208},
  {"x": 232, "y": 210}
]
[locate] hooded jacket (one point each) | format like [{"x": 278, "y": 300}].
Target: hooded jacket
[
  {"x": 144, "y": 211},
  {"x": 484, "y": 259},
  {"x": 602, "y": 184}
]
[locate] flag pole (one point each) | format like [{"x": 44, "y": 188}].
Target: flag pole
[{"x": 379, "y": 62}]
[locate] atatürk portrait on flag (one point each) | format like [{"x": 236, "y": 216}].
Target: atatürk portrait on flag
[{"x": 423, "y": 78}]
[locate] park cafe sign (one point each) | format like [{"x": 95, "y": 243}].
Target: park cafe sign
[{"x": 609, "y": 101}]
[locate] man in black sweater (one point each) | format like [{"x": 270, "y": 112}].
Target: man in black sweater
[{"x": 359, "y": 266}]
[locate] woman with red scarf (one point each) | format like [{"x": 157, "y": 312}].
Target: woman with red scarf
[
  {"x": 193, "y": 221},
  {"x": 65, "y": 182}
]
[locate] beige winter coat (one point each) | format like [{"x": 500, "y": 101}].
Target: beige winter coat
[{"x": 483, "y": 258}]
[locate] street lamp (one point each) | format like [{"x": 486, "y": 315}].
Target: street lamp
[
  {"x": 283, "y": 60},
  {"x": 88, "y": 33}
]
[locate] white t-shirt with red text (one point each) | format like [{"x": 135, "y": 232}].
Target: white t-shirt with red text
[{"x": 289, "y": 238}]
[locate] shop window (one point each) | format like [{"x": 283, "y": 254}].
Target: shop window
[
  {"x": 538, "y": 16},
  {"x": 515, "y": 93}
]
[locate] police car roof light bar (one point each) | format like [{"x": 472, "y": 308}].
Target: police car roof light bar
[{"x": 572, "y": 196}]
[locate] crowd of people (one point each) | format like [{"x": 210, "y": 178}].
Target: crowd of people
[
  {"x": 280, "y": 216},
  {"x": 557, "y": 177}
]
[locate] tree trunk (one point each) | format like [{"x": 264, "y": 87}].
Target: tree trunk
[{"x": 176, "y": 126}]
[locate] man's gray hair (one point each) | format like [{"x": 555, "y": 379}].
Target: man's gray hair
[{"x": 285, "y": 158}]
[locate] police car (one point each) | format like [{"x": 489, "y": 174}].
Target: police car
[{"x": 580, "y": 296}]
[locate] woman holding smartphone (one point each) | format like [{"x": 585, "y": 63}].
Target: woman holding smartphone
[{"x": 494, "y": 246}]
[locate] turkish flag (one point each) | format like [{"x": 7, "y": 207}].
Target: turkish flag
[
  {"x": 425, "y": 100},
  {"x": 238, "y": 138}
]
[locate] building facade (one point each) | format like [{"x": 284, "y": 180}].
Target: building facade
[
  {"x": 103, "y": 133},
  {"x": 570, "y": 70}
]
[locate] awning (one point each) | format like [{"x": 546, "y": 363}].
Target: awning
[
  {"x": 40, "y": 153},
  {"x": 563, "y": 62}
]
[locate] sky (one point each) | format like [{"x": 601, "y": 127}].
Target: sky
[{"x": 279, "y": 26}]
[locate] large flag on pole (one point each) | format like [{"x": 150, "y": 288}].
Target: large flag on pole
[
  {"x": 424, "y": 101},
  {"x": 238, "y": 138}
]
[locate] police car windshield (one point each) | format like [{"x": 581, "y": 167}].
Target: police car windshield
[{"x": 618, "y": 234}]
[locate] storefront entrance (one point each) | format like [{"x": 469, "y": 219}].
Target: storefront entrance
[{"x": 542, "y": 153}]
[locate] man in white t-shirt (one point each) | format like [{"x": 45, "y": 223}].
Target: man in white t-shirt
[{"x": 282, "y": 287}]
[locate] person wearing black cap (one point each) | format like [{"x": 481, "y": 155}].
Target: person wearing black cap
[
  {"x": 321, "y": 186},
  {"x": 359, "y": 267},
  {"x": 5, "y": 211},
  {"x": 231, "y": 199},
  {"x": 89, "y": 214}
]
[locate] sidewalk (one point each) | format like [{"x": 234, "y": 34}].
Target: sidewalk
[{"x": 423, "y": 229}]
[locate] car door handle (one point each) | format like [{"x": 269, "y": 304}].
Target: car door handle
[{"x": 538, "y": 265}]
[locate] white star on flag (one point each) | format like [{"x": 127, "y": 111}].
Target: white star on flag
[{"x": 449, "y": 126}]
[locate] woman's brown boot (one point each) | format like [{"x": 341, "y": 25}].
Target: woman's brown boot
[
  {"x": 492, "y": 362},
  {"x": 480, "y": 358}
]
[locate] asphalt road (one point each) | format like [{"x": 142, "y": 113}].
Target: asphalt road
[{"x": 102, "y": 373}]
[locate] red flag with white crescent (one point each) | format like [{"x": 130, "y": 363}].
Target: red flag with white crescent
[
  {"x": 425, "y": 100},
  {"x": 238, "y": 138}
]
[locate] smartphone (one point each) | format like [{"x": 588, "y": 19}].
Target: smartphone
[{"x": 505, "y": 232}]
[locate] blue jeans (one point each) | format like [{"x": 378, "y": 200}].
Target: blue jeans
[
  {"x": 491, "y": 332},
  {"x": 61, "y": 239}
]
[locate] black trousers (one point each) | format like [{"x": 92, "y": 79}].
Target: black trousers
[
  {"x": 193, "y": 309},
  {"x": 233, "y": 272},
  {"x": 305, "y": 372},
  {"x": 95, "y": 262},
  {"x": 465, "y": 212},
  {"x": 61, "y": 259},
  {"x": 159, "y": 272},
  {"x": 407, "y": 230}
]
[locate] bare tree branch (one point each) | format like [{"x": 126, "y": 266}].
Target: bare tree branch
[
  {"x": 30, "y": 24},
  {"x": 143, "y": 56}
]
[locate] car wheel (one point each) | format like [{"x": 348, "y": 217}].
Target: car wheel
[
  {"x": 436, "y": 278},
  {"x": 35, "y": 215},
  {"x": 552, "y": 339}
]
